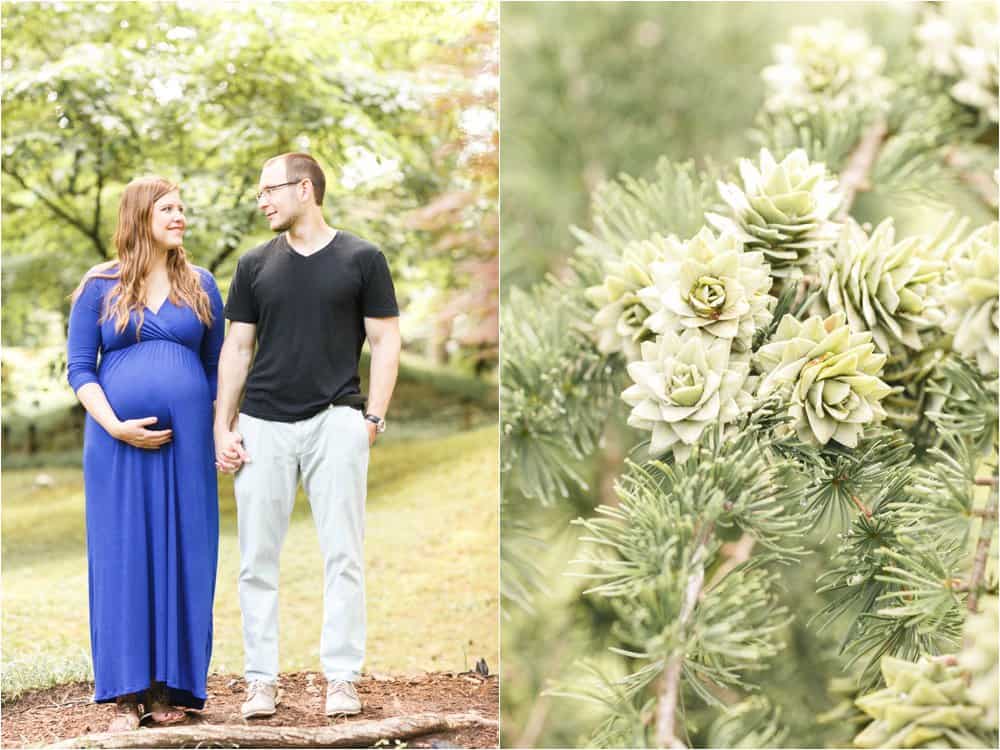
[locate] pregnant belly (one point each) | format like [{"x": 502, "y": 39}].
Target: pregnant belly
[{"x": 155, "y": 379}]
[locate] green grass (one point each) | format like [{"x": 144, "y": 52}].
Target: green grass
[{"x": 430, "y": 549}]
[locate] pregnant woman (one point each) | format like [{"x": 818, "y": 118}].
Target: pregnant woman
[{"x": 144, "y": 338}]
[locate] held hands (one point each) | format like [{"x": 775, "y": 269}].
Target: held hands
[
  {"x": 134, "y": 432},
  {"x": 229, "y": 452}
]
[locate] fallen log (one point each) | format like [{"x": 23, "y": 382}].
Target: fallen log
[{"x": 349, "y": 734}]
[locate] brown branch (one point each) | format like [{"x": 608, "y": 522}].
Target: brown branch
[
  {"x": 539, "y": 713},
  {"x": 58, "y": 210},
  {"x": 805, "y": 284},
  {"x": 248, "y": 219},
  {"x": 75, "y": 174},
  {"x": 535, "y": 723},
  {"x": 861, "y": 506},
  {"x": 666, "y": 708},
  {"x": 982, "y": 552},
  {"x": 349, "y": 734},
  {"x": 736, "y": 554},
  {"x": 100, "y": 187},
  {"x": 854, "y": 178},
  {"x": 986, "y": 481},
  {"x": 979, "y": 183}
]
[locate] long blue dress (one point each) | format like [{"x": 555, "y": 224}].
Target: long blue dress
[{"x": 152, "y": 515}]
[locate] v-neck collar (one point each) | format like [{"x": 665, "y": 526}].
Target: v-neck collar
[
  {"x": 322, "y": 250},
  {"x": 160, "y": 308}
]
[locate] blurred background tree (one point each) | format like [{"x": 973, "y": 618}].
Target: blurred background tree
[
  {"x": 589, "y": 96},
  {"x": 391, "y": 98}
]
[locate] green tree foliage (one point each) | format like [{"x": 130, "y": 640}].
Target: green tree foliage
[
  {"x": 97, "y": 93},
  {"x": 589, "y": 96}
]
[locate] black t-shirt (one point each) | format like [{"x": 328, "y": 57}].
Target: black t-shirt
[{"x": 309, "y": 311}]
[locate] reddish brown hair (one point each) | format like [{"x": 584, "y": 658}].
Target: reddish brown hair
[{"x": 134, "y": 242}]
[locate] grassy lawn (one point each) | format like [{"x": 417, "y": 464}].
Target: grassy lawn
[{"x": 430, "y": 549}]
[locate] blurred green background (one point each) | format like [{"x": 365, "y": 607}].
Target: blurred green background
[
  {"x": 591, "y": 91},
  {"x": 398, "y": 102}
]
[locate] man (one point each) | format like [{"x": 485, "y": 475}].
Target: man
[{"x": 306, "y": 300}]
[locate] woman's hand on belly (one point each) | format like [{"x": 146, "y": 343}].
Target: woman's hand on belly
[{"x": 134, "y": 432}]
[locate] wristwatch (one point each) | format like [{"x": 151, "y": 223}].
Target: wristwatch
[{"x": 377, "y": 421}]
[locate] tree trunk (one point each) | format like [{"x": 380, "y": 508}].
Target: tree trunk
[{"x": 350, "y": 734}]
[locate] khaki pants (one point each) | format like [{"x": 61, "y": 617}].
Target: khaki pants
[{"x": 329, "y": 452}]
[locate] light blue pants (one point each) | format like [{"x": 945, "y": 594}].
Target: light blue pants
[{"x": 329, "y": 452}]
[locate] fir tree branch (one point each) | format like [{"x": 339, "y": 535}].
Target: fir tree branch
[
  {"x": 982, "y": 552},
  {"x": 666, "y": 709},
  {"x": 736, "y": 553},
  {"x": 861, "y": 506},
  {"x": 979, "y": 183},
  {"x": 807, "y": 282},
  {"x": 855, "y": 177}
]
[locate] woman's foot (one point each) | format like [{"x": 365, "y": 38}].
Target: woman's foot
[
  {"x": 159, "y": 710},
  {"x": 126, "y": 715}
]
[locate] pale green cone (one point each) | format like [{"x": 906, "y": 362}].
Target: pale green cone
[
  {"x": 883, "y": 286},
  {"x": 978, "y": 80},
  {"x": 844, "y": 715},
  {"x": 971, "y": 299},
  {"x": 958, "y": 41},
  {"x": 620, "y": 320},
  {"x": 682, "y": 385},
  {"x": 827, "y": 66},
  {"x": 782, "y": 209},
  {"x": 709, "y": 283},
  {"x": 979, "y": 656},
  {"x": 831, "y": 376},
  {"x": 924, "y": 704}
]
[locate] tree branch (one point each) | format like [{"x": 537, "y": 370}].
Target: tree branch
[
  {"x": 666, "y": 709},
  {"x": 982, "y": 551},
  {"x": 854, "y": 178},
  {"x": 59, "y": 211},
  {"x": 248, "y": 219},
  {"x": 75, "y": 174},
  {"x": 861, "y": 506},
  {"x": 979, "y": 183},
  {"x": 349, "y": 734},
  {"x": 736, "y": 554},
  {"x": 100, "y": 188}
]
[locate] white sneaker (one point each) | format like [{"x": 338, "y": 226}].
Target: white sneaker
[
  {"x": 262, "y": 697},
  {"x": 342, "y": 698}
]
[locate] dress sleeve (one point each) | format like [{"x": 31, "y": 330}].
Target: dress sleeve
[
  {"x": 84, "y": 340},
  {"x": 211, "y": 342}
]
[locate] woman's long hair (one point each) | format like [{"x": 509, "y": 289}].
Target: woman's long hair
[{"x": 134, "y": 241}]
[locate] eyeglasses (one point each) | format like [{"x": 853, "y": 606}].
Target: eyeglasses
[{"x": 267, "y": 190}]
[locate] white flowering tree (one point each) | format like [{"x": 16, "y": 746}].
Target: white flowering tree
[{"x": 790, "y": 374}]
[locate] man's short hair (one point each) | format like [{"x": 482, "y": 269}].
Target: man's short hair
[{"x": 299, "y": 166}]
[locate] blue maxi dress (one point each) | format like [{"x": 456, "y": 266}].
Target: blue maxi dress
[{"x": 152, "y": 515}]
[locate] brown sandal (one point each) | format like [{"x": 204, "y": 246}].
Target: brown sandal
[
  {"x": 161, "y": 712},
  {"x": 126, "y": 715}
]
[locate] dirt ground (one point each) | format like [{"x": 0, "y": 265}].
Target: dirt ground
[{"x": 47, "y": 716}]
